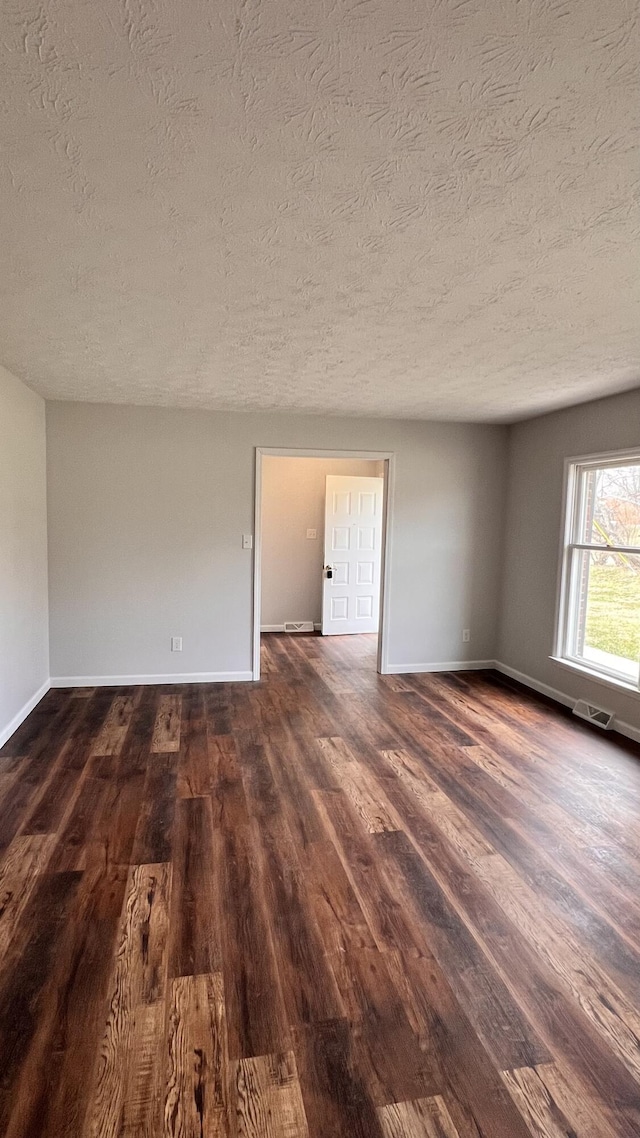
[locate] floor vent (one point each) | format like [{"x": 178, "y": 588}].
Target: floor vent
[
  {"x": 593, "y": 714},
  {"x": 298, "y": 626}
]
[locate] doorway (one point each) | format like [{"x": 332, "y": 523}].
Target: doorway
[{"x": 321, "y": 536}]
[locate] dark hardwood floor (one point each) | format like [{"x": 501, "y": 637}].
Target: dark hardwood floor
[{"x": 332, "y": 904}]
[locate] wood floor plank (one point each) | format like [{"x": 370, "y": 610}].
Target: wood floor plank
[
  {"x": 336, "y": 1099},
  {"x": 111, "y": 737},
  {"x": 115, "y": 824},
  {"x": 166, "y": 731},
  {"x": 134, "y": 756},
  {"x": 288, "y": 761},
  {"x": 25, "y": 971},
  {"x": 196, "y": 1101},
  {"x": 217, "y": 709},
  {"x": 382, "y": 909},
  {"x": 497, "y": 1019},
  {"x": 387, "y": 1046},
  {"x": 94, "y": 799},
  {"x": 267, "y": 1101},
  {"x": 139, "y": 980},
  {"x": 376, "y": 813},
  {"x": 423, "y": 1118},
  {"x": 100, "y": 823},
  {"x": 34, "y": 772},
  {"x": 8, "y": 776},
  {"x": 193, "y": 764},
  {"x": 531, "y": 1090},
  {"x": 577, "y": 1102},
  {"x": 72, "y": 1007},
  {"x": 228, "y": 797},
  {"x": 308, "y": 983},
  {"x": 26, "y": 858},
  {"x": 337, "y": 910},
  {"x": 195, "y": 940},
  {"x": 49, "y": 805},
  {"x": 257, "y": 1022},
  {"x": 154, "y": 830},
  {"x": 468, "y": 1079},
  {"x": 144, "y": 1092}
]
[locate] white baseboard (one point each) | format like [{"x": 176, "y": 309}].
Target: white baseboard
[
  {"x": 626, "y": 729},
  {"x": 447, "y": 666},
  {"x": 134, "y": 681},
  {"x": 280, "y": 627},
  {"x": 7, "y": 732},
  {"x": 537, "y": 685}
]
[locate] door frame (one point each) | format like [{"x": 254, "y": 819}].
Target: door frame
[{"x": 389, "y": 459}]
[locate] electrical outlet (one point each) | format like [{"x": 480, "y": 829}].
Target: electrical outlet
[
  {"x": 176, "y": 644},
  {"x": 311, "y": 533},
  {"x": 247, "y": 541},
  {"x": 466, "y": 635}
]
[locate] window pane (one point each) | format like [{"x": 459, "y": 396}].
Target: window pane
[
  {"x": 610, "y": 506},
  {"x": 606, "y": 625}
]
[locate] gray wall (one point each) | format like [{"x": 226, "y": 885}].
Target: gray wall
[
  {"x": 147, "y": 507},
  {"x": 24, "y": 628},
  {"x": 293, "y": 498},
  {"x": 537, "y": 450}
]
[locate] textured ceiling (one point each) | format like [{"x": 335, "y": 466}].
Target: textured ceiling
[{"x": 419, "y": 208}]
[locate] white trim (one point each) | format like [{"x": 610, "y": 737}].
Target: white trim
[
  {"x": 386, "y": 456},
  {"x": 323, "y": 452},
  {"x": 134, "y": 681},
  {"x": 257, "y": 564},
  {"x": 619, "y": 725},
  {"x": 564, "y": 631},
  {"x": 385, "y": 563},
  {"x": 280, "y": 627},
  {"x": 606, "y": 457},
  {"x": 632, "y": 550},
  {"x": 12, "y": 726},
  {"x": 537, "y": 685},
  {"x": 447, "y": 666}
]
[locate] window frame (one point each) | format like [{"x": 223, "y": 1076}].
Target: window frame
[{"x": 566, "y": 604}]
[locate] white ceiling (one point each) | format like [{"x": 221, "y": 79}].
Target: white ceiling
[{"x": 416, "y": 208}]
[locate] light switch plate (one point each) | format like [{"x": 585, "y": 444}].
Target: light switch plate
[
  {"x": 247, "y": 541},
  {"x": 311, "y": 533}
]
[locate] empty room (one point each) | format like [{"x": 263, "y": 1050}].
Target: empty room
[{"x": 319, "y": 569}]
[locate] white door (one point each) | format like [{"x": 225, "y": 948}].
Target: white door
[{"x": 352, "y": 554}]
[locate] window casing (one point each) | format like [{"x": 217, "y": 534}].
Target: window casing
[{"x": 598, "y": 628}]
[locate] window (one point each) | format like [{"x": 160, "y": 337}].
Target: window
[{"x": 599, "y": 612}]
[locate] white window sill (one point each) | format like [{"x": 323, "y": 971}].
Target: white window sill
[{"x": 591, "y": 674}]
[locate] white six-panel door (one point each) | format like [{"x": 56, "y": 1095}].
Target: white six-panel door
[{"x": 352, "y": 548}]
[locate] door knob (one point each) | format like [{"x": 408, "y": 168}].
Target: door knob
[{"x": 328, "y": 571}]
